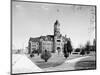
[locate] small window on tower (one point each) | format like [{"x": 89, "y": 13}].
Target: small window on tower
[
  {"x": 58, "y": 41},
  {"x": 58, "y": 48}
]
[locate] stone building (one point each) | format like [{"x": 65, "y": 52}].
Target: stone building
[
  {"x": 34, "y": 44},
  {"x": 53, "y": 43}
]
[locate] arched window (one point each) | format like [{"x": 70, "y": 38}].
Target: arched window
[{"x": 58, "y": 48}]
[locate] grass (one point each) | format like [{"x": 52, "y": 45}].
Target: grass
[
  {"x": 57, "y": 60},
  {"x": 87, "y": 63},
  {"x": 54, "y": 61},
  {"x": 43, "y": 64}
]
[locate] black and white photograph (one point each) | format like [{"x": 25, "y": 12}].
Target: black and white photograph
[{"x": 52, "y": 37}]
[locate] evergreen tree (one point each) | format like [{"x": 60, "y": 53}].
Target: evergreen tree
[
  {"x": 87, "y": 47},
  {"x": 69, "y": 46},
  {"x": 45, "y": 55},
  {"x": 82, "y": 52},
  {"x": 94, "y": 45},
  {"x": 66, "y": 54}
]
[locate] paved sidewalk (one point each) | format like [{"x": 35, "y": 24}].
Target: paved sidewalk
[{"x": 25, "y": 65}]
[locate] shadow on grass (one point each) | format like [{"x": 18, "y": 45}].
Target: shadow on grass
[
  {"x": 85, "y": 65},
  {"x": 54, "y": 61},
  {"x": 43, "y": 64}
]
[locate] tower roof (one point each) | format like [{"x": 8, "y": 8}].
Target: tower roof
[{"x": 57, "y": 22}]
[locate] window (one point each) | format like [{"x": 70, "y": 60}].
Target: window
[
  {"x": 37, "y": 43},
  {"x": 58, "y": 48},
  {"x": 58, "y": 41},
  {"x": 33, "y": 45}
]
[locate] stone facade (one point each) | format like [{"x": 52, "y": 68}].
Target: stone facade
[{"x": 47, "y": 45}]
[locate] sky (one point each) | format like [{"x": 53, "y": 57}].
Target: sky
[{"x": 36, "y": 19}]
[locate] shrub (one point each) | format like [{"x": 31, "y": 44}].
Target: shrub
[
  {"x": 77, "y": 50},
  {"x": 82, "y": 52},
  {"x": 45, "y": 55},
  {"x": 31, "y": 55}
]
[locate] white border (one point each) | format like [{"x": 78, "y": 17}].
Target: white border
[{"x": 5, "y": 37}]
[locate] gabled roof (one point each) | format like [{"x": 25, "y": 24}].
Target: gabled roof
[
  {"x": 37, "y": 39},
  {"x": 50, "y": 37},
  {"x": 42, "y": 37},
  {"x": 47, "y": 37}
]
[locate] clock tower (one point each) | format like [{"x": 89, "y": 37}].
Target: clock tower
[{"x": 57, "y": 37}]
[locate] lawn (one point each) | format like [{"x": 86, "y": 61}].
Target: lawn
[
  {"x": 57, "y": 60},
  {"x": 87, "y": 63},
  {"x": 54, "y": 61}
]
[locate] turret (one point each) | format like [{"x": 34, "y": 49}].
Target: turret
[{"x": 57, "y": 28}]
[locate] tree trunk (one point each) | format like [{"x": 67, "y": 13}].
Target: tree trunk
[{"x": 45, "y": 60}]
